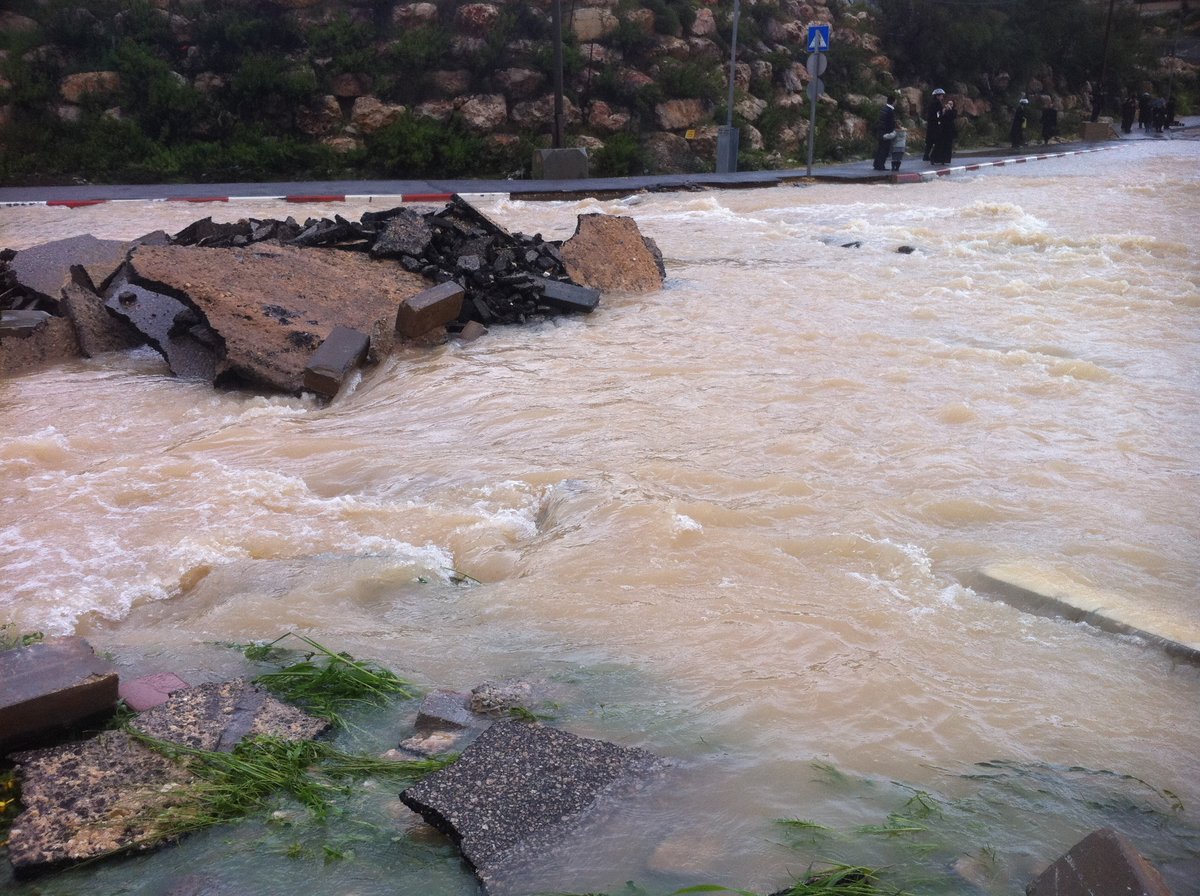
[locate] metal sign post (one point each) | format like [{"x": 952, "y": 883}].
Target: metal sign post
[{"x": 816, "y": 65}]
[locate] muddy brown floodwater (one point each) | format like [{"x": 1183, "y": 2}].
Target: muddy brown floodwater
[{"x": 738, "y": 523}]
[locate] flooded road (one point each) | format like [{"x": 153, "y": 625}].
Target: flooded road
[{"x": 739, "y": 523}]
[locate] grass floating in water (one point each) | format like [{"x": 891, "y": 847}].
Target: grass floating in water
[
  {"x": 262, "y": 769},
  {"x": 325, "y": 683}
]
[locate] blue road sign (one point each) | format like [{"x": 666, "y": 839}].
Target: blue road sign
[{"x": 818, "y": 38}]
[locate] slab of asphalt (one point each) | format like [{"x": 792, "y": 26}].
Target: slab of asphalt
[{"x": 913, "y": 170}]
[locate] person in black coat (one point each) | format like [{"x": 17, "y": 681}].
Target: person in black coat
[
  {"x": 1128, "y": 114},
  {"x": 885, "y": 130},
  {"x": 933, "y": 120},
  {"x": 1016, "y": 133},
  {"x": 943, "y": 149},
  {"x": 1049, "y": 120}
]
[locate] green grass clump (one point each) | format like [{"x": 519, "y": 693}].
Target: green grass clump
[
  {"x": 11, "y": 639},
  {"x": 325, "y": 683},
  {"x": 263, "y": 769}
]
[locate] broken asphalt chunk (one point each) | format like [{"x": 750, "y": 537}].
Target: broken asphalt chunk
[{"x": 520, "y": 789}]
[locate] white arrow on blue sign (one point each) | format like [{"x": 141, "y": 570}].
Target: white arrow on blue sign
[{"x": 818, "y": 38}]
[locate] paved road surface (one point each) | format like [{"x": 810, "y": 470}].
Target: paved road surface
[{"x": 912, "y": 171}]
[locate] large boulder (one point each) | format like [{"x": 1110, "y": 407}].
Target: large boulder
[
  {"x": 369, "y": 114},
  {"x": 485, "y": 112},
  {"x": 271, "y": 306},
  {"x": 677, "y": 115},
  {"x": 74, "y": 88},
  {"x": 592, "y": 23}
]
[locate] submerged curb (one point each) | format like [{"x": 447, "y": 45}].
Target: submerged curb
[
  {"x": 550, "y": 192},
  {"x": 291, "y": 197},
  {"x": 917, "y": 177}
]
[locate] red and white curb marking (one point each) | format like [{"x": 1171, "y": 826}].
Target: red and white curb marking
[
  {"x": 299, "y": 198},
  {"x": 917, "y": 177}
]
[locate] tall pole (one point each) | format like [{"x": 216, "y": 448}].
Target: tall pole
[
  {"x": 737, "y": 11},
  {"x": 1099, "y": 99},
  {"x": 556, "y": 23}
]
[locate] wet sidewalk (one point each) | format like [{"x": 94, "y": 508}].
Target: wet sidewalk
[{"x": 913, "y": 170}]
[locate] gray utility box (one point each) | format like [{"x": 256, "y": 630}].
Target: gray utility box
[
  {"x": 560, "y": 164},
  {"x": 727, "y": 150}
]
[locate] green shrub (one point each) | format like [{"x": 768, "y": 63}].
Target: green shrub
[
  {"x": 688, "y": 80},
  {"x": 268, "y": 88},
  {"x": 415, "y": 146},
  {"x": 349, "y": 44},
  {"x": 621, "y": 156}
]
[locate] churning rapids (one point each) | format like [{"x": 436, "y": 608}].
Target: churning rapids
[{"x": 738, "y": 523}]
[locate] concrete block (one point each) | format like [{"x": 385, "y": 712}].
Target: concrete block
[
  {"x": 1104, "y": 862},
  {"x": 342, "y": 351},
  {"x": 563, "y": 296},
  {"x": 1039, "y": 589},
  {"x": 560, "y": 164},
  {"x": 430, "y": 308},
  {"x": 1099, "y": 130},
  {"x": 149, "y": 691},
  {"x": 48, "y": 687}
]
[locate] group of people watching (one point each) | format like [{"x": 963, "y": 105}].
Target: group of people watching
[
  {"x": 1021, "y": 117},
  {"x": 941, "y": 128},
  {"x": 1152, "y": 113},
  {"x": 940, "y": 131}
]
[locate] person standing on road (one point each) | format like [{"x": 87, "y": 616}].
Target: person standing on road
[
  {"x": 1016, "y": 133},
  {"x": 898, "y": 147},
  {"x": 943, "y": 149},
  {"x": 1128, "y": 113},
  {"x": 933, "y": 120},
  {"x": 885, "y": 130},
  {"x": 1049, "y": 120}
]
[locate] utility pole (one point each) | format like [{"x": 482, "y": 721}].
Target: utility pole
[
  {"x": 556, "y": 136},
  {"x": 1098, "y": 100},
  {"x": 727, "y": 137}
]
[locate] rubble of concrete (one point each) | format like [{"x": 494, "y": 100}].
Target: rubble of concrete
[
  {"x": 250, "y": 304},
  {"x": 521, "y": 789},
  {"x": 519, "y": 802},
  {"x": 48, "y": 687},
  {"x": 1105, "y": 861},
  {"x": 90, "y": 799},
  {"x": 107, "y": 795}
]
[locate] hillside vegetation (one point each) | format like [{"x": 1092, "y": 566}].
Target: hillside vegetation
[{"x": 243, "y": 90}]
